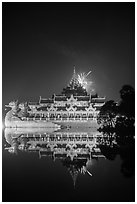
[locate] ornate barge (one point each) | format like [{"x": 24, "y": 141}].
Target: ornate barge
[{"x": 73, "y": 107}]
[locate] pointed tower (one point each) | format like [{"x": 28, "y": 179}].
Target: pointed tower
[
  {"x": 74, "y": 87},
  {"x": 74, "y": 80}
]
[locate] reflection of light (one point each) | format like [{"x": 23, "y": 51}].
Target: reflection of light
[
  {"x": 89, "y": 173},
  {"x": 89, "y": 163}
]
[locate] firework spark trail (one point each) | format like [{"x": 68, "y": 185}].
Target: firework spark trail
[{"x": 88, "y": 73}]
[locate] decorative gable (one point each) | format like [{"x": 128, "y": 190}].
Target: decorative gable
[
  {"x": 90, "y": 108},
  {"x": 52, "y": 108},
  {"x": 71, "y": 108},
  {"x": 72, "y": 100}
]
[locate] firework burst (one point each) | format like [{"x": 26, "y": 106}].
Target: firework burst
[{"x": 82, "y": 79}]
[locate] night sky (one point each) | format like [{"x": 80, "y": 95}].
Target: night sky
[{"x": 43, "y": 41}]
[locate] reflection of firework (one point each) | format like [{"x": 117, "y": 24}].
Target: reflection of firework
[{"x": 82, "y": 79}]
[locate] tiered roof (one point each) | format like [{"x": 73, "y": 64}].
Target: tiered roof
[
  {"x": 75, "y": 89},
  {"x": 63, "y": 108},
  {"x": 60, "y": 98},
  {"x": 82, "y": 98},
  {"x": 46, "y": 101}
]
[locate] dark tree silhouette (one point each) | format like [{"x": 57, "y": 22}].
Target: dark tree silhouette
[
  {"x": 119, "y": 118},
  {"x": 127, "y": 104},
  {"x": 107, "y": 114}
]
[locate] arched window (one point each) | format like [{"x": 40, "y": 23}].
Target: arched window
[
  {"x": 71, "y": 116},
  {"x": 64, "y": 117},
  {"x": 90, "y": 116},
  {"x": 84, "y": 116}
]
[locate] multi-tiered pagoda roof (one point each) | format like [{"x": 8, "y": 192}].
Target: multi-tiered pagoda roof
[{"x": 73, "y": 104}]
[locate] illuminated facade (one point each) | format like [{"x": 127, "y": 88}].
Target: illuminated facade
[{"x": 73, "y": 105}]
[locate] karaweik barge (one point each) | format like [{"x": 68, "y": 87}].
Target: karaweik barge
[{"x": 74, "y": 107}]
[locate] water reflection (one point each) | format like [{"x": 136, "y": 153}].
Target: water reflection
[
  {"x": 120, "y": 144},
  {"x": 77, "y": 149}
]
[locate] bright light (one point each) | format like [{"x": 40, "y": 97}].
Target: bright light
[{"x": 82, "y": 79}]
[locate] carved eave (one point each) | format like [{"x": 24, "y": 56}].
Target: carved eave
[
  {"x": 99, "y": 104},
  {"x": 71, "y": 108},
  {"x": 51, "y": 109},
  {"x": 90, "y": 108},
  {"x": 71, "y": 100}
]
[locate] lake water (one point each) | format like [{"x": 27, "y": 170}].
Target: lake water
[{"x": 67, "y": 165}]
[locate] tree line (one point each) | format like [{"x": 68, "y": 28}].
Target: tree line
[{"x": 119, "y": 117}]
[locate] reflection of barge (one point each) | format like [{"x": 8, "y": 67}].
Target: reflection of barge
[
  {"x": 64, "y": 143},
  {"x": 74, "y": 107},
  {"x": 75, "y": 149}
]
